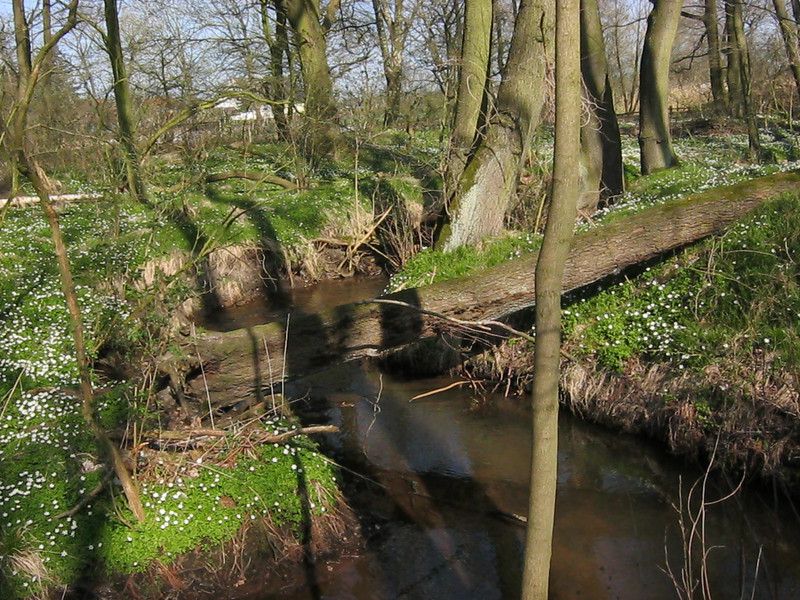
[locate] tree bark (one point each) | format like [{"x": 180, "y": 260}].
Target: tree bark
[
  {"x": 740, "y": 42},
  {"x": 365, "y": 329},
  {"x": 123, "y": 102},
  {"x": 601, "y": 155},
  {"x": 734, "y": 67},
  {"x": 719, "y": 93},
  {"x": 320, "y": 108},
  {"x": 475, "y": 53},
  {"x": 278, "y": 42},
  {"x": 490, "y": 180},
  {"x": 393, "y": 26},
  {"x": 789, "y": 33},
  {"x": 655, "y": 140},
  {"x": 549, "y": 277}
]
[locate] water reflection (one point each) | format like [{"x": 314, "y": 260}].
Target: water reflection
[{"x": 453, "y": 470}]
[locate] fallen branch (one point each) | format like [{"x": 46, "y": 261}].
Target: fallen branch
[
  {"x": 440, "y": 390},
  {"x": 357, "y": 330},
  {"x": 252, "y": 176},
  {"x": 254, "y": 435}
]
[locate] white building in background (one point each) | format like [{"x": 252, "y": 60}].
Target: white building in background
[{"x": 232, "y": 107}]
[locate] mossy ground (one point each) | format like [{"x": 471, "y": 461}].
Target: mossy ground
[{"x": 50, "y": 463}]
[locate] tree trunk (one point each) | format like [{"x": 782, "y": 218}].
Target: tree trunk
[
  {"x": 490, "y": 180},
  {"x": 734, "y": 68},
  {"x": 715, "y": 71},
  {"x": 475, "y": 52},
  {"x": 28, "y": 73},
  {"x": 123, "y": 102},
  {"x": 601, "y": 158},
  {"x": 320, "y": 107},
  {"x": 365, "y": 329},
  {"x": 278, "y": 43},
  {"x": 740, "y": 42},
  {"x": 549, "y": 279},
  {"x": 655, "y": 140},
  {"x": 789, "y": 32},
  {"x": 392, "y": 27}
]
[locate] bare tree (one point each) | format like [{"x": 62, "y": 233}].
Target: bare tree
[
  {"x": 549, "y": 281},
  {"x": 789, "y": 33},
  {"x": 393, "y": 24},
  {"x": 29, "y": 70}
]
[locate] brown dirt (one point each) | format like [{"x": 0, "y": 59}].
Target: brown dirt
[{"x": 261, "y": 557}]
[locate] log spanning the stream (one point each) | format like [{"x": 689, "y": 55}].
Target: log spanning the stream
[{"x": 258, "y": 356}]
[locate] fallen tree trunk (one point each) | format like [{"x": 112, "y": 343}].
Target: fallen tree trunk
[{"x": 258, "y": 356}]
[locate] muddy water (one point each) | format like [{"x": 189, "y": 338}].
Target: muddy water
[{"x": 441, "y": 482}]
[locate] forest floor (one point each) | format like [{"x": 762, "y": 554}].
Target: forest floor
[{"x": 136, "y": 266}]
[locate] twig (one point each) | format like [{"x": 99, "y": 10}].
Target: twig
[
  {"x": 87, "y": 498},
  {"x": 440, "y": 390},
  {"x": 482, "y": 325}
]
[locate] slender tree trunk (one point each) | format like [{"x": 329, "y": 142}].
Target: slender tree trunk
[
  {"x": 475, "y": 51},
  {"x": 320, "y": 108},
  {"x": 392, "y": 28},
  {"x": 789, "y": 32},
  {"x": 603, "y": 177},
  {"x": 123, "y": 102},
  {"x": 28, "y": 73},
  {"x": 655, "y": 140},
  {"x": 278, "y": 43},
  {"x": 734, "y": 67},
  {"x": 489, "y": 181},
  {"x": 715, "y": 71},
  {"x": 740, "y": 42},
  {"x": 549, "y": 282}
]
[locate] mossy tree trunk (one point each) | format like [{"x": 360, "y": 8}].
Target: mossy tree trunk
[
  {"x": 365, "y": 329},
  {"x": 29, "y": 70},
  {"x": 489, "y": 181},
  {"x": 655, "y": 140},
  {"x": 549, "y": 283},
  {"x": 740, "y": 42},
  {"x": 310, "y": 28},
  {"x": 278, "y": 43},
  {"x": 601, "y": 156},
  {"x": 475, "y": 54},
  {"x": 789, "y": 32},
  {"x": 123, "y": 102},
  {"x": 719, "y": 92}
]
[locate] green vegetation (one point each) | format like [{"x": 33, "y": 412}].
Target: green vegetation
[
  {"x": 706, "y": 163},
  {"x": 60, "y": 514},
  {"x": 729, "y": 298}
]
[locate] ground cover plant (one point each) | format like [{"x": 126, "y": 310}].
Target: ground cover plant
[
  {"x": 706, "y": 162},
  {"x": 59, "y": 511},
  {"x": 60, "y": 515}
]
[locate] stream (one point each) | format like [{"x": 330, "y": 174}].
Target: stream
[{"x": 440, "y": 484}]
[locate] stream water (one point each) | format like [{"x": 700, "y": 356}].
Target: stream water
[{"x": 440, "y": 483}]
